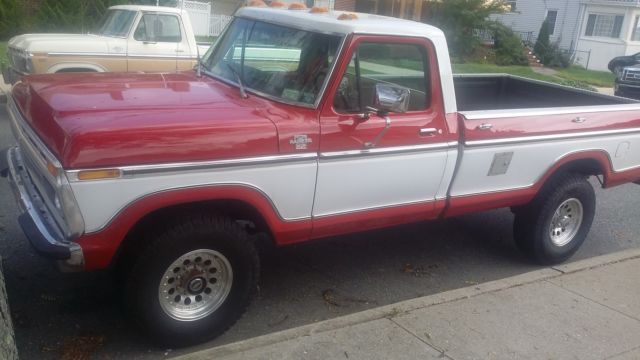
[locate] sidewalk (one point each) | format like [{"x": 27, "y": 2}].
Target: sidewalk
[
  {"x": 4, "y": 90},
  {"x": 588, "y": 309}
]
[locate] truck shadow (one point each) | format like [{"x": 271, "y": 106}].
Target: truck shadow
[{"x": 301, "y": 284}]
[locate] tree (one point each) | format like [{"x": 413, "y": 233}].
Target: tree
[
  {"x": 72, "y": 15},
  {"x": 12, "y": 18},
  {"x": 460, "y": 19},
  {"x": 543, "y": 44}
]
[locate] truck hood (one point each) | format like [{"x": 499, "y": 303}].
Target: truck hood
[
  {"x": 46, "y": 43},
  {"x": 101, "y": 119}
]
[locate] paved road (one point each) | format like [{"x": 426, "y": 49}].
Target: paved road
[{"x": 69, "y": 314}]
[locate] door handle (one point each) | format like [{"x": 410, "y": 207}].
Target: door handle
[
  {"x": 429, "y": 131},
  {"x": 579, "y": 120},
  {"x": 484, "y": 126}
]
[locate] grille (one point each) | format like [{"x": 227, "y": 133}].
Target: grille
[
  {"x": 631, "y": 75},
  {"x": 17, "y": 60}
]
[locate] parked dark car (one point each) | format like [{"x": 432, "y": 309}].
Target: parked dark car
[
  {"x": 623, "y": 61},
  {"x": 627, "y": 71}
]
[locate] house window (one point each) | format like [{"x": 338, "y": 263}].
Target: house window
[
  {"x": 552, "y": 15},
  {"x": 604, "y": 25},
  {"x": 511, "y": 5},
  {"x": 636, "y": 30}
]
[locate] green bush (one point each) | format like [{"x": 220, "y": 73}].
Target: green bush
[
  {"x": 508, "y": 46},
  {"x": 459, "y": 19},
  {"x": 71, "y": 15},
  {"x": 555, "y": 57},
  {"x": 542, "y": 43},
  {"x": 13, "y": 19}
]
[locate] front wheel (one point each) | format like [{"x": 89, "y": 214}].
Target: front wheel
[
  {"x": 193, "y": 281},
  {"x": 554, "y": 225}
]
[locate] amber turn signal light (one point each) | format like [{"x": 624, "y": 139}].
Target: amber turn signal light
[{"x": 99, "y": 174}]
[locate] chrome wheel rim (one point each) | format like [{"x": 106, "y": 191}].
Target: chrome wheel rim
[
  {"x": 566, "y": 222},
  {"x": 195, "y": 285}
]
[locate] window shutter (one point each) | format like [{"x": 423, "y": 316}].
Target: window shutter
[
  {"x": 617, "y": 26},
  {"x": 591, "y": 23}
]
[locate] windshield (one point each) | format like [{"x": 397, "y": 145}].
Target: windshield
[
  {"x": 288, "y": 64},
  {"x": 116, "y": 23}
]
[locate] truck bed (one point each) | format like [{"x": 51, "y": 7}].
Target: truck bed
[{"x": 503, "y": 91}]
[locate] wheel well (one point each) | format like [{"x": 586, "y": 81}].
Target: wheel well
[
  {"x": 585, "y": 167},
  {"x": 136, "y": 239}
]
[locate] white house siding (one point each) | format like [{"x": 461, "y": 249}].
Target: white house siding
[
  {"x": 530, "y": 14},
  {"x": 603, "y": 49}
]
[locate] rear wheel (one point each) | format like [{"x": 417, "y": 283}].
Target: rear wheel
[
  {"x": 193, "y": 281},
  {"x": 552, "y": 227}
]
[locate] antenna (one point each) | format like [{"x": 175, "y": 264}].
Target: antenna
[{"x": 199, "y": 66}]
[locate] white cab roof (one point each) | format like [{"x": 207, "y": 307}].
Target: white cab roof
[
  {"x": 329, "y": 23},
  {"x": 147, "y": 8}
]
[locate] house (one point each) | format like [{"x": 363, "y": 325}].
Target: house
[
  {"x": 608, "y": 28},
  {"x": 592, "y": 31},
  {"x": 526, "y": 17},
  {"x": 416, "y": 10}
]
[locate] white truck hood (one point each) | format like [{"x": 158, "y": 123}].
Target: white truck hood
[{"x": 47, "y": 43}]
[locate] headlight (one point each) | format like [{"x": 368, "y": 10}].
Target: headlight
[
  {"x": 65, "y": 201},
  {"x": 619, "y": 71},
  {"x": 28, "y": 64}
]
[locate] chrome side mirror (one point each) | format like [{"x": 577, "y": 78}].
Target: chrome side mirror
[{"x": 390, "y": 98}]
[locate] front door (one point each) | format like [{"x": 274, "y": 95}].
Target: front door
[{"x": 368, "y": 173}]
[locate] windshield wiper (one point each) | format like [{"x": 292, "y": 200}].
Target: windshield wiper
[{"x": 243, "y": 93}]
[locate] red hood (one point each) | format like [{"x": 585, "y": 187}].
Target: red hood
[{"x": 98, "y": 120}]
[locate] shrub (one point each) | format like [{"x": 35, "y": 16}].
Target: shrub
[
  {"x": 508, "y": 46},
  {"x": 71, "y": 15},
  {"x": 555, "y": 57},
  {"x": 542, "y": 43},
  {"x": 460, "y": 18},
  {"x": 13, "y": 18}
]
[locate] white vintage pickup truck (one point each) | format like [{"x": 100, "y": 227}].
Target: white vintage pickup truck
[
  {"x": 130, "y": 38},
  {"x": 297, "y": 125}
]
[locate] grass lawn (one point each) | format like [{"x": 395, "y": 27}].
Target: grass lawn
[
  {"x": 569, "y": 76},
  {"x": 476, "y": 68},
  {"x": 595, "y": 78},
  {"x": 3, "y": 51}
]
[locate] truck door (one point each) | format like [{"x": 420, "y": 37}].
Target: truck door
[
  {"x": 157, "y": 44},
  {"x": 370, "y": 174}
]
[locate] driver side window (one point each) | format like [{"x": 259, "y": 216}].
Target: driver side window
[
  {"x": 160, "y": 28},
  {"x": 403, "y": 65}
]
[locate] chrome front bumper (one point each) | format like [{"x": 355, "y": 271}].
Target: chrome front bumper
[{"x": 35, "y": 219}]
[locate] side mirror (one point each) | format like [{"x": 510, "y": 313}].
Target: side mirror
[{"x": 391, "y": 98}]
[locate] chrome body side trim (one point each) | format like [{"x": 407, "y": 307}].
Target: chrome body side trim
[
  {"x": 526, "y": 139},
  {"x": 387, "y": 151},
  {"x": 201, "y": 165},
  {"x": 511, "y": 113}
]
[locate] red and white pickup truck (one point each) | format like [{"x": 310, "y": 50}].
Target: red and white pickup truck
[{"x": 299, "y": 125}]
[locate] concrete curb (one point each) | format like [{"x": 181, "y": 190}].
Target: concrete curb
[
  {"x": 393, "y": 310},
  {"x": 8, "y": 348}
]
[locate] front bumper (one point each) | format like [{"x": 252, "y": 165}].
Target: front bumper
[{"x": 35, "y": 219}]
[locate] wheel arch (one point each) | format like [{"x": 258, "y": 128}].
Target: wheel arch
[
  {"x": 135, "y": 240},
  {"x": 75, "y": 67},
  {"x": 104, "y": 248},
  {"x": 587, "y": 163}
]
